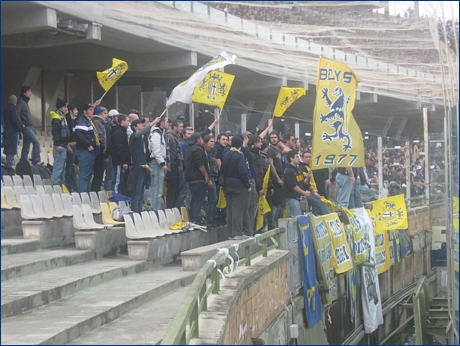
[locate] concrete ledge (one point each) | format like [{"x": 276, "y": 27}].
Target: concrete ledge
[
  {"x": 15, "y": 246},
  {"x": 103, "y": 242},
  {"x": 49, "y": 233},
  {"x": 167, "y": 249},
  {"x": 11, "y": 223},
  {"x": 195, "y": 259}
]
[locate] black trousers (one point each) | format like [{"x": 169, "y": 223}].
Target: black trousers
[
  {"x": 172, "y": 183},
  {"x": 98, "y": 173}
]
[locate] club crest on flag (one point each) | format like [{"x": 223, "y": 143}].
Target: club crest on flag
[
  {"x": 286, "y": 97},
  {"x": 336, "y": 118},
  {"x": 390, "y": 213},
  {"x": 213, "y": 89},
  {"x": 110, "y": 76}
]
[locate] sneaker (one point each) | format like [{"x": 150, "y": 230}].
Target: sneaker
[{"x": 242, "y": 237}]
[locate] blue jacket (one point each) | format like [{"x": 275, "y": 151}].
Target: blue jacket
[{"x": 235, "y": 171}]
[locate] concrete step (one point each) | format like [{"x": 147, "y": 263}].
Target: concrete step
[
  {"x": 41, "y": 260},
  {"x": 67, "y": 319},
  {"x": 11, "y": 246},
  {"x": 145, "y": 325},
  {"x": 26, "y": 293}
]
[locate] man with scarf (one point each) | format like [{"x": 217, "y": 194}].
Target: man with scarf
[
  {"x": 61, "y": 135},
  {"x": 173, "y": 177}
]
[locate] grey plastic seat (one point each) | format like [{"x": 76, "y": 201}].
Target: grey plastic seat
[
  {"x": 95, "y": 204},
  {"x": 140, "y": 228},
  {"x": 8, "y": 181},
  {"x": 102, "y": 197},
  {"x": 27, "y": 211},
  {"x": 67, "y": 204},
  {"x": 89, "y": 219},
  {"x": 157, "y": 231},
  {"x": 10, "y": 197},
  {"x": 48, "y": 206},
  {"x": 162, "y": 220},
  {"x": 30, "y": 190},
  {"x": 17, "y": 181},
  {"x": 177, "y": 215},
  {"x": 58, "y": 206},
  {"x": 130, "y": 228},
  {"x": 40, "y": 189},
  {"x": 49, "y": 190},
  {"x": 28, "y": 181},
  {"x": 38, "y": 180},
  {"x": 170, "y": 218},
  {"x": 57, "y": 189},
  {"x": 76, "y": 199},
  {"x": 37, "y": 206},
  {"x": 78, "y": 221},
  {"x": 19, "y": 191}
]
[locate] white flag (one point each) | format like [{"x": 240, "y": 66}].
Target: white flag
[{"x": 184, "y": 91}]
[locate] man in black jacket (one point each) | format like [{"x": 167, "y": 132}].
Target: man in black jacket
[
  {"x": 120, "y": 153},
  {"x": 70, "y": 180},
  {"x": 61, "y": 135},
  {"x": 11, "y": 128},
  {"x": 294, "y": 184},
  {"x": 176, "y": 163},
  {"x": 25, "y": 118},
  {"x": 87, "y": 143},
  {"x": 197, "y": 176}
]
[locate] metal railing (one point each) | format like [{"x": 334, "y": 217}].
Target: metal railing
[{"x": 185, "y": 325}]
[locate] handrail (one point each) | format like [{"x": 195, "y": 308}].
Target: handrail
[{"x": 196, "y": 298}]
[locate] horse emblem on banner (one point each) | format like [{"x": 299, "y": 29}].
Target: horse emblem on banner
[{"x": 337, "y": 117}]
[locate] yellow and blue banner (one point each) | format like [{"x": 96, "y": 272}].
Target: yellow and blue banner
[
  {"x": 455, "y": 237},
  {"x": 213, "y": 89},
  {"x": 323, "y": 250},
  {"x": 262, "y": 205},
  {"x": 382, "y": 252},
  {"x": 313, "y": 306},
  {"x": 337, "y": 139},
  {"x": 390, "y": 213},
  {"x": 341, "y": 255},
  {"x": 109, "y": 77},
  {"x": 286, "y": 97},
  {"x": 405, "y": 243}
]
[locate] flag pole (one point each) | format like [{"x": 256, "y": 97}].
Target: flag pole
[
  {"x": 103, "y": 96},
  {"x": 164, "y": 112}
]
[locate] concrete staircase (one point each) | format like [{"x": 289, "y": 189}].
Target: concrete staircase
[{"x": 64, "y": 295}]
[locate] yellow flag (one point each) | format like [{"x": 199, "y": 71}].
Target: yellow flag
[
  {"x": 390, "y": 213},
  {"x": 110, "y": 76},
  {"x": 286, "y": 98},
  {"x": 221, "y": 202},
  {"x": 337, "y": 139},
  {"x": 341, "y": 255},
  {"x": 262, "y": 206},
  {"x": 213, "y": 89}
]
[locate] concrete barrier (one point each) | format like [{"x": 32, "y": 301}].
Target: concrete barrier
[
  {"x": 50, "y": 233},
  {"x": 104, "y": 242}
]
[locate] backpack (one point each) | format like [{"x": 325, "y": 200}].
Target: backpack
[
  {"x": 24, "y": 168},
  {"x": 41, "y": 170},
  {"x": 7, "y": 169},
  {"x": 121, "y": 210}
]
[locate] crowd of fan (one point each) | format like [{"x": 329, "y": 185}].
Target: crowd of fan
[{"x": 356, "y": 39}]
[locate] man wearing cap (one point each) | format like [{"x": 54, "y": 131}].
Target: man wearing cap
[
  {"x": 113, "y": 115},
  {"x": 11, "y": 128},
  {"x": 87, "y": 143},
  {"x": 139, "y": 166},
  {"x": 159, "y": 166},
  {"x": 197, "y": 176},
  {"x": 25, "y": 118},
  {"x": 61, "y": 136}
]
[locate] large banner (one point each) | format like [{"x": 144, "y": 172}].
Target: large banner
[
  {"x": 405, "y": 242},
  {"x": 393, "y": 238},
  {"x": 390, "y": 213},
  {"x": 313, "y": 306},
  {"x": 370, "y": 293},
  {"x": 359, "y": 248},
  {"x": 455, "y": 233},
  {"x": 213, "y": 89},
  {"x": 286, "y": 97},
  {"x": 341, "y": 255},
  {"x": 382, "y": 252},
  {"x": 323, "y": 247},
  {"x": 337, "y": 139}
]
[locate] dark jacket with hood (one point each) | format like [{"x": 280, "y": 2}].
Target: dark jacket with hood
[
  {"x": 119, "y": 145},
  {"x": 195, "y": 157},
  {"x": 22, "y": 107}
]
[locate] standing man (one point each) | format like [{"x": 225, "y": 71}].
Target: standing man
[
  {"x": 176, "y": 163},
  {"x": 236, "y": 188},
  {"x": 70, "y": 180},
  {"x": 99, "y": 162},
  {"x": 293, "y": 178},
  {"x": 159, "y": 168},
  {"x": 345, "y": 180},
  {"x": 121, "y": 159},
  {"x": 197, "y": 176},
  {"x": 11, "y": 128},
  {"x": 25, "y": 118},
  {"x": 139, "y": 166},
  {"x": 87, "y": 143},
  {"x": 109, "y": 173},
  {"x": 61, "y": 136},
  {"x": 277, "y": 201},
  {"x": 185, "y": 196}
]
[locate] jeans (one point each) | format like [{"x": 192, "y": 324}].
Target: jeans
[
  {"x": 10, "y": 159},
  {"x": 60, "y": 159},
  {"x": 85, "y": 164},
  {"x": 109, "y": 176},
  {"x": 317, "y": 207},
  {"x": 212, "y": 201},
  {"x": 98, "y": 173},
  {"x": 294, "y": 207},
  {"x": 184, "y": 192},
  {"x": 237, "y": 203},
  {"x": 345, "y": 186},
  {"x": 172, "y": 177},
  {"x": 156, "y": 185},
  {"x": 249, "y": 221},
  {"x": 70, "y": 180},
  {"x": 121, "y": 179},
  {"x": 135, "y": 188},
  {"x": 199, "y": 192},
  {"x": 367, "y": 191},
  {"x": 355, "y": 196},
  {"x": 29, "y": 137}
]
